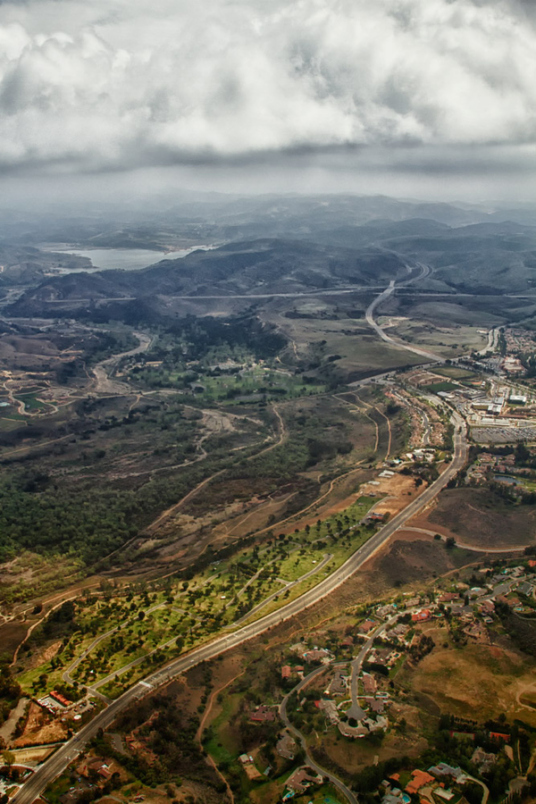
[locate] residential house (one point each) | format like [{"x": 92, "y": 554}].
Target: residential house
[
  {"x": 376, "y": 706},
  {"x": 476, "y": 630},
  {"x": 443, "y": 794},
  {"x": 487, "y": 607},
  {"x": 385, "y": 611},
  {"x": 352, "y": 731},
  {"x": 477, "y": 591},
  {"x": 302, "y": 779},
  {"x": 329, "y": 709},
  {"x": 445, "y": 771},
  {"x": 448, "y": 597},
  {"x": 366, "y": 627},
  {"x": 262, "y": 714},
  {"x": 375, "y": 725},
  {"x": 369, "y": 684},
  {"x": 399, "y": 631},
  {"x": 421, "y": 616},
  {"x": 483, "y": 760},
  {"x": 286, "y": 747},
  {"x": 419, "y": 779},
  {"x": 317, "y": 655},
  {"x": 338, "y": 684}
]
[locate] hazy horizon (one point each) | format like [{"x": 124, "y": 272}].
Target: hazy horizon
[{"x": 430, "y": 99}]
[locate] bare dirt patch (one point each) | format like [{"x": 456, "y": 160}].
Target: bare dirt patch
[
  {"x": 11, "y": 635},
  {"x": 354, "y": 756},
  {"x": 32, "y": 754},
  {"x": 400, "y": 491},
  {"x": 40, "y": 729},
  {"x": 483, "y": 519},
  {"x": 40, "y": 657}
]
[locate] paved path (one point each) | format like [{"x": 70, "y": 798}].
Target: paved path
[
  {"x": 336, "y": 782},
  {"x": 355, "y": 710},
  {"x": 288, "y": 585}
]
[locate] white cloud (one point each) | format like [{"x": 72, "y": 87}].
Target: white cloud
[{"x": 126, "y": 83}]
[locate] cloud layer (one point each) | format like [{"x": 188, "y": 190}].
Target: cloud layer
[{"x": 122, "y": 84}]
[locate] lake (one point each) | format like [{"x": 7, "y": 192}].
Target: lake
[{"x": 127, "y": 259}]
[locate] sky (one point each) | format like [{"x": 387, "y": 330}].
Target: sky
[{"x": 410, "y": 97}]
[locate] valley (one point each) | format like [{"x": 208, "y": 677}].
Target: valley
[{"x": 291, "y": 444}]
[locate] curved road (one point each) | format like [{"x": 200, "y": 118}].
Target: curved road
[
  {"x": 369, "y": 315},
  {"x": 335, "y": 781},
  {"x": 65, "y": 755}
]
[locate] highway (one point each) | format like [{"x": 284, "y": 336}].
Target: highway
[
  {"x": 59, "y": 761},
  {"x": 369, "y": 315}
]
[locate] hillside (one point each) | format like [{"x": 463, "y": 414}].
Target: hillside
[{"x": 250, "y": 268}]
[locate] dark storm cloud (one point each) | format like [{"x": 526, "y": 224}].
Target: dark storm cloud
[{"x": 114, "y": 85}]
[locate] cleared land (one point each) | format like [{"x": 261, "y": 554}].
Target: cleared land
[{"x": 482, "y": 518}]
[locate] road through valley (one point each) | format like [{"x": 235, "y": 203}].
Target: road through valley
[{"x": 62, "y": 758}]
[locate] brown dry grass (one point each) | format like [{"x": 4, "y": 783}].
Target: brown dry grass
[
  {"x": 482, "y": 519},
  {"x": 40, "y": 729},
  {"x": 475, "y": 681},
  {"x": 356, "y": 755}
]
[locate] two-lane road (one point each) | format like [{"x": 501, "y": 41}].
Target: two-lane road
[{"x": 347, "y": 793}]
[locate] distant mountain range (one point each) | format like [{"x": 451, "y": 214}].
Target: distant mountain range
[{"x": 297, "y": 244}]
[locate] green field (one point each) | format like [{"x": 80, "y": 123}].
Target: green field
[
  {"x": 143, "y": 629},
  {"x": 455, "y": 373},
  {"x": 440, "y": 386}
]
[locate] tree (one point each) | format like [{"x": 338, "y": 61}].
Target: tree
[{"x": 450, "y": 543}]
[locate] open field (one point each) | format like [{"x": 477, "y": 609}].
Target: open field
[
  {"x": 455, "y": 372},
  {"x": 354, "y": 349},
  {"x": 483, "y": 519},
  {"x": 447, "y": 340},
  {"x": 449, "y": 678}
]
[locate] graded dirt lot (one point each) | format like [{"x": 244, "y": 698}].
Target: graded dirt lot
[
  {"x": 482, "y": 518},
  {"x": 39, "y": 729},
  {"x": 32, "y": 754}
]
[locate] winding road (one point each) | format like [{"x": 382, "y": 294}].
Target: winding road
[
  {"x": 369, "y": 315},
  {"x": 335, "y": 781}
]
